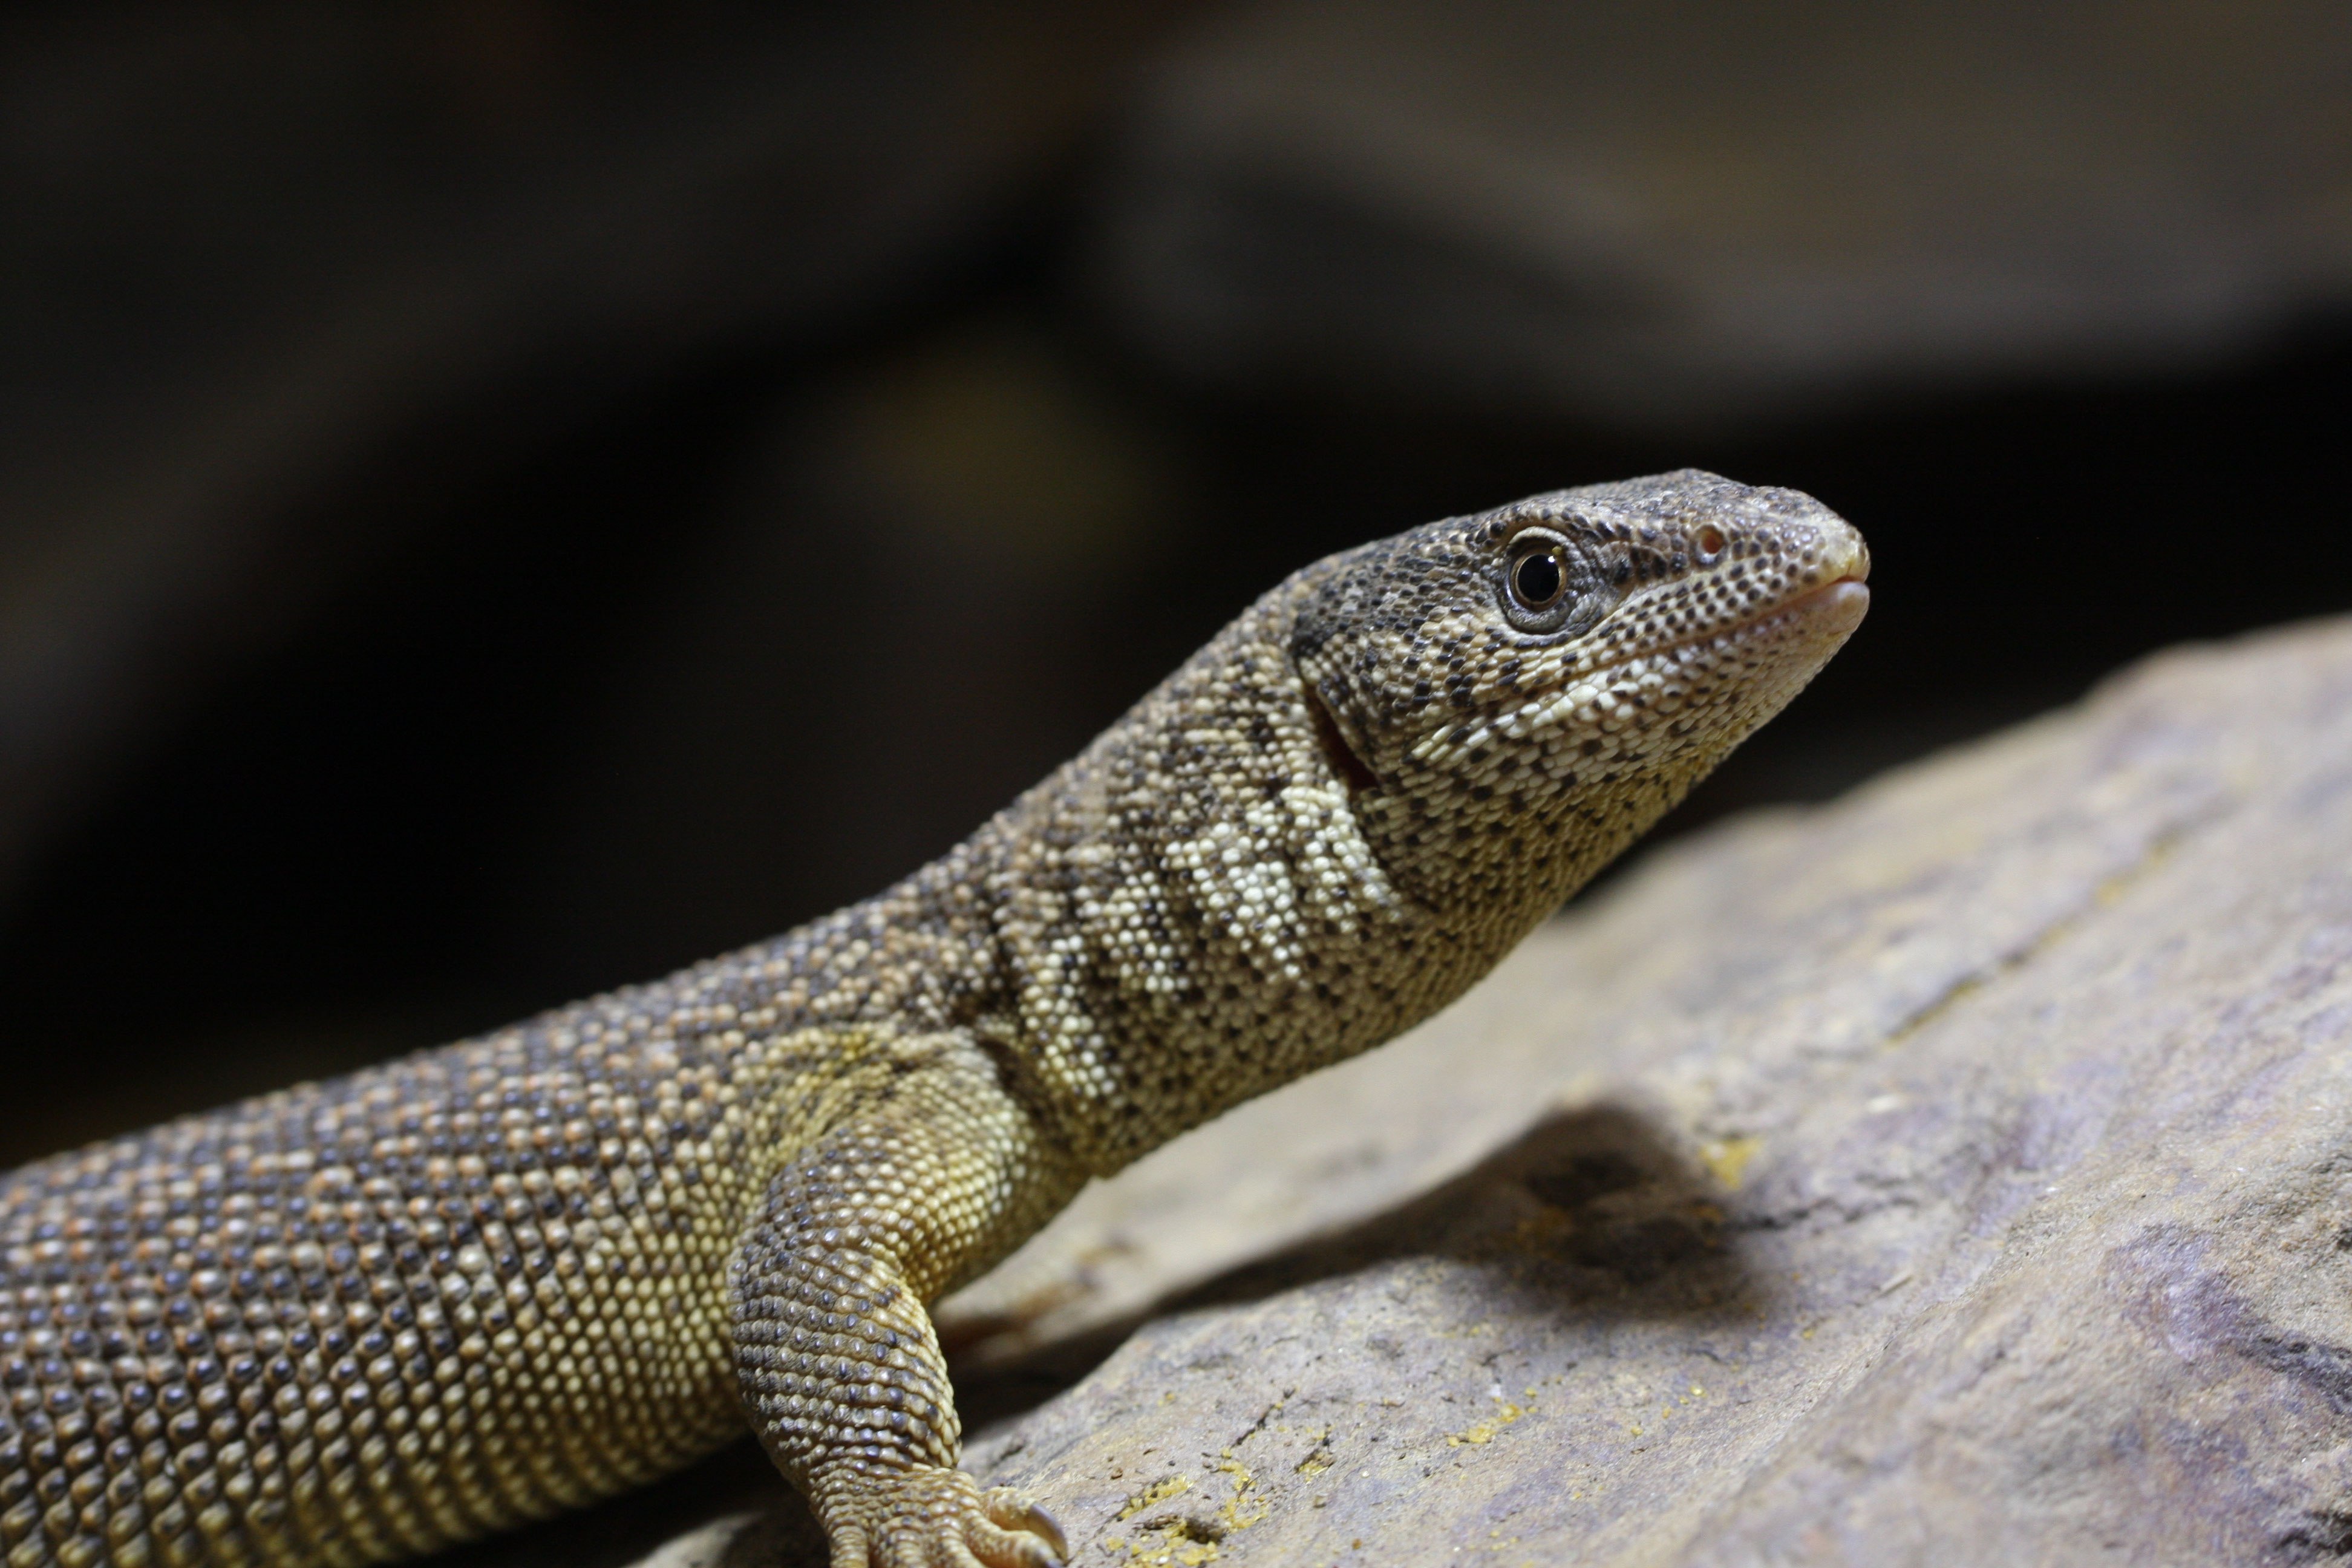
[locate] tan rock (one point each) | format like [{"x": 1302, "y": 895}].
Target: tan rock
[{"x": 1960, "y": 1172}]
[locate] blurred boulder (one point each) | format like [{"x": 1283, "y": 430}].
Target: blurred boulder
[{"x": 1714, "y": 211}]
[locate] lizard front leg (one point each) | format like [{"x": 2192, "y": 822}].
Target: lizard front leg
[{"x": 931, "y": 1175}]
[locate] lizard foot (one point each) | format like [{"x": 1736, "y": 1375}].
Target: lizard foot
[{"x": 936, "y": 1518}]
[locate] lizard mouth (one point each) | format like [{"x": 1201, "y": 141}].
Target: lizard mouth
[
  {"x": 1834, "y": 608},
  {"x": 1845, "y": 598},
  {"x": 1849, "y": 595},
  {"x": 1838, "y": 605}
]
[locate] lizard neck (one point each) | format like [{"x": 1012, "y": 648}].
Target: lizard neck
[
  {"x": 1189, "y": 913},
  {"x": 1210, "y": 900}
]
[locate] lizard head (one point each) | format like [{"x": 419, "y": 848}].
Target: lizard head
[{"x": 1512, "y": 698}]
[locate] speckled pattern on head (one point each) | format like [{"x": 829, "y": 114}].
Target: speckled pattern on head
[{"x": 357, "y": 1321}]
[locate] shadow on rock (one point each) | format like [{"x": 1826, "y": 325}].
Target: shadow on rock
[
  {"x": 1591, "y": 1212},
  {"x": 1591, "y": 1205}
]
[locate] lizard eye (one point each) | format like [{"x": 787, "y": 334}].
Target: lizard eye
[
  {"x": 1540, "y": 576},
  {"x": 1549, "y": 584}
]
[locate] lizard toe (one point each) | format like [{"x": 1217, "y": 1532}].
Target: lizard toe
[
  {"x": 850, "y": 1548},
  {"x": 1018, "y": 1533},
  {"x": 932, "y": 1516}
]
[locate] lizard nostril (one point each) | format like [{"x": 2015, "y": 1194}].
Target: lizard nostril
[{"x": 1710, "y": 542}]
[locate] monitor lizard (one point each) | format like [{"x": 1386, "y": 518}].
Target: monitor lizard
[{"x": 360, "y": 1320}]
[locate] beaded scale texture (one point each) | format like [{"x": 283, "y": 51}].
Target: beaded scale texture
[{"x": 357, "y": 1321}]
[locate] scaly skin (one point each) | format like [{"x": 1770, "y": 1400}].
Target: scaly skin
[{"x": 358, "y": 1321}]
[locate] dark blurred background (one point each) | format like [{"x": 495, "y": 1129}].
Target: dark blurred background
[{"x": 500, "y": 499}]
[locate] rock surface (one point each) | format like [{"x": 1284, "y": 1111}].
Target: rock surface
[{"x": 1960, "y": 1172}]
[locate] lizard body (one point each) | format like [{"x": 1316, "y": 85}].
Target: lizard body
[{"x": 358, "y": 1321}]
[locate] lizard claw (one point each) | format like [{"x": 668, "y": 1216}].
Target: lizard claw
[
  {"x": 934, "y": 1517},
  {"x": 1010, "y": 1511}
]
